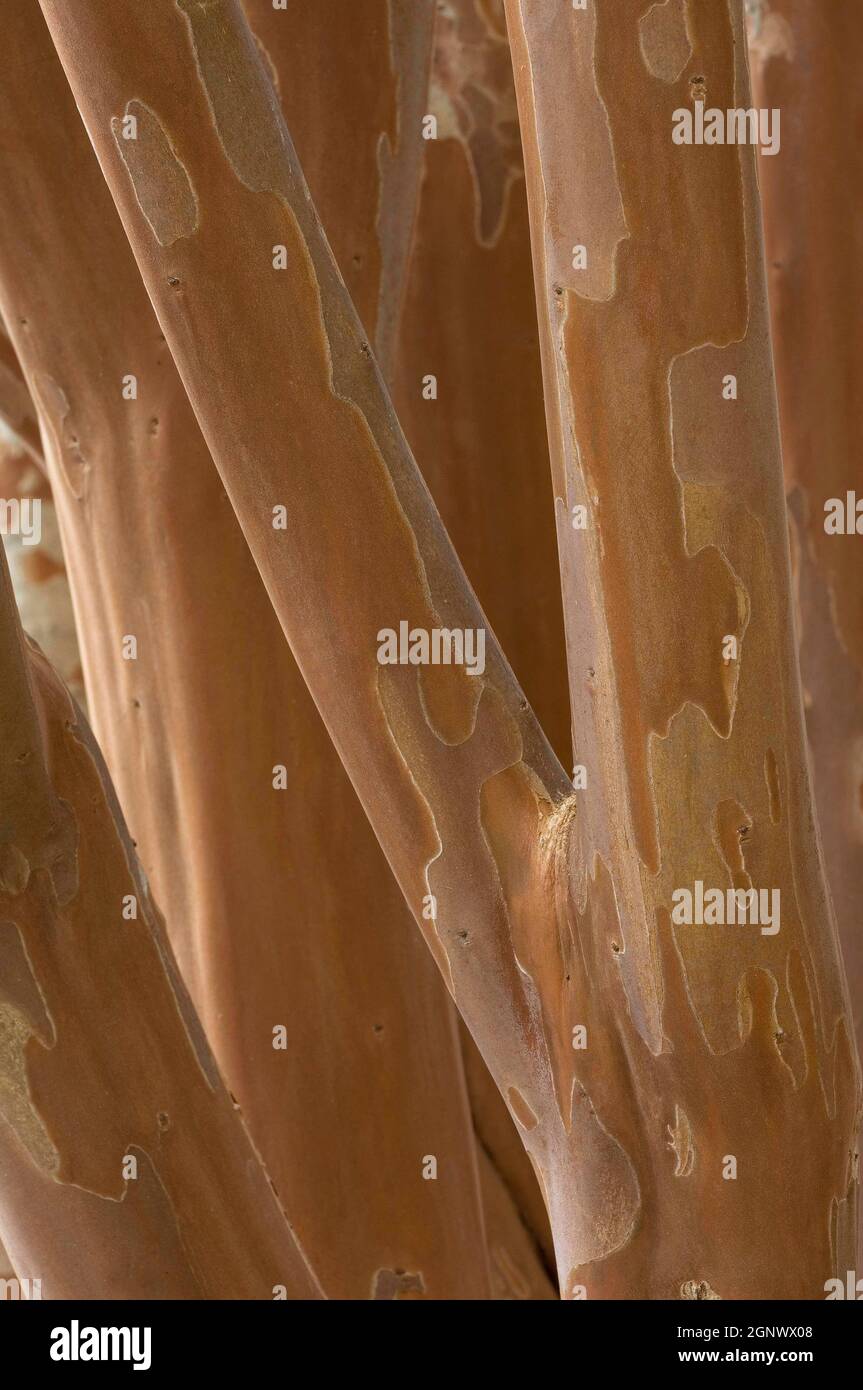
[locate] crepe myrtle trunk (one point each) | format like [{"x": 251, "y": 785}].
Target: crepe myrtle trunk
[
  {"x": 806, "y": 59},
  {"x": 657, "y": 1071},
  {"x": 649, "y": 272},
  {"x": 360, "y": 129},
  {"x": 293, "y": 938},
  {"x": 125, "y": 1170}
]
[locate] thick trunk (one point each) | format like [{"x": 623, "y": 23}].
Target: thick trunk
[
  {"x": 807, "y": 60},
  {"x": 359, "y": 518},
  {"x": 358, "y": 131},
  {"x": 686, "y": 708}
]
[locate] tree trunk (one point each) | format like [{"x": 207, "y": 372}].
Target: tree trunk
[
  {"x": 682, "y": 666},
  {"x": 358, "y": 128}
]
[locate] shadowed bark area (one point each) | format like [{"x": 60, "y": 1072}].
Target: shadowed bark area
[
  {"x": 280, "y": 905},
  {"x": 37, "y": 568},
  {"x": 550, "y": 908},
  {"x": 38, "y": 574},
  {"x": 806, "y": 60},
  {"x": 470, "y": 321},
  {"x": 17, "y": 411},
  {"x": 125, "y": 1171}
]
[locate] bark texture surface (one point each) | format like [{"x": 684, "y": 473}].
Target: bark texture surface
[{"x": 551, "y": 907}]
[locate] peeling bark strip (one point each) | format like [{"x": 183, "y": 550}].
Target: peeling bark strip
[
  {"x": 124, "y": 1169},
  {"x": 370, "y": 111},
  {"x": 279, "y": 905},
  {"x": 599, "y": 1025},
  {"x": 166, "y": 197},
  {"x": 807, "y": 58}
]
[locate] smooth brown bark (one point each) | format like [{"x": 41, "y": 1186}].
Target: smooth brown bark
[
  {"x": 359, "y": 129},
  {"x": 358, "y": 476},
  {"x": 6, "y": 1270},
  {"x": 357, "y": 123},
  {"x": 17, "y": 411}
]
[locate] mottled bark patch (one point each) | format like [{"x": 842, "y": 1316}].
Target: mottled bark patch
[
  {"x": 394, "y": 1284},
  {"x": 680, "y": 1143},
  {"x": 664, "y": 38},
  {"x": 770, "y": 34},
  {"x": 698, "y": 1289},
  {"x": 473, "y": 99},
  {"x": 16, "y": 1105},
  {"x": 162, "y": 186}
]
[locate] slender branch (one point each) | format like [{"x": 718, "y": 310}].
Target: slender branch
[{"x": 430, "y": 750}]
